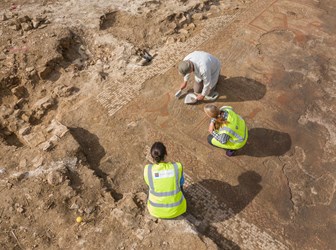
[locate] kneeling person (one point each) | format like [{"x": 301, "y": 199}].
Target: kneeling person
[
  {"x": 165, "y": 181},
  {"x": 206, "y": 69},
  {"x": 227, "y": 129}
]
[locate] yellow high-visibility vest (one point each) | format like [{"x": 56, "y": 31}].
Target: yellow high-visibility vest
[
  {"x": 165, "y": 198},
  {"x": 235, "y": 128}
]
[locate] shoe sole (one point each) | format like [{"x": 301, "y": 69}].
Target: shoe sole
[{"x": 214, "y": 97}]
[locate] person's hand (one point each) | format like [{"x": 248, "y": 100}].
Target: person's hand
[
  {"x": 200, "y": 97},
  {"x": 211, "y": 127},
  {"x": 178, "y": 93}
]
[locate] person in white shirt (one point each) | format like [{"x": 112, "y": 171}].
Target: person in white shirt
[{"x": 206, "y": 69}]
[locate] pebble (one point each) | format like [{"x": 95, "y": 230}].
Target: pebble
[
  {"x": 25, "y": 130},
  {"x": 55, "y": 178},
  {"x": 46, "y": 146},
  {"x": 183, "y": 31},
  {"x": 198, "y": 16},
  {"x": 42, "y": 26},
  {"x": 29, "y": 69}
]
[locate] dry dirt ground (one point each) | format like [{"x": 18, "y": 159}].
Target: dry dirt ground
[{"x": 80, "y": 107}]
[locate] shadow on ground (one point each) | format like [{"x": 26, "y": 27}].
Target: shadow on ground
[
  {"x": 93, "y": 152},
  {"x": 225, "y": 202},
  {"x": 238, "y": 89},
  {"x": 266, "y": 142}
]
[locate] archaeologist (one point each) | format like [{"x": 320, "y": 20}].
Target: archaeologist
[
  {"x": 165, "y": 181},
  {"x": 227, "y": 129},
  {"x": 206, "y": 69}
]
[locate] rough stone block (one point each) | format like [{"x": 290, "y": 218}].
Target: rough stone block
[
  {"x": 34, "y": 139},
  {"x": 19, "y": 91}
]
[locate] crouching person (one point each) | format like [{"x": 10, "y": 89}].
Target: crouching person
[
  {"x": 227, "y": 129},
  {"x": 165, "y": 181}
]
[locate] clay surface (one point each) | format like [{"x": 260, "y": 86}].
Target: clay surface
[{"x": 86, "y": 87}]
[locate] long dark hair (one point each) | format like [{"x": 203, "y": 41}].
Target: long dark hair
[{"x": 158, "y": 151}]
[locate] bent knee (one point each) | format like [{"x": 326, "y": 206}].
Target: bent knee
[{"x": 210, "y": 139}]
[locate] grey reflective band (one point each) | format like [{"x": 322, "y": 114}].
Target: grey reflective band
[
  {"x": 162, "y": 194},
  {"x": 150, "y": 178},
  {"x": 240, "y": 139},
  {"x": 167, "y": 205},
  {"x": 176, "y": 177}
]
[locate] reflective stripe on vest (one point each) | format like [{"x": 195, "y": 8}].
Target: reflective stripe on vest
[
  {"x": 167, "y": 205},
  {"x": 162, "y": 194},
  {"x": 230, "y": 131}
]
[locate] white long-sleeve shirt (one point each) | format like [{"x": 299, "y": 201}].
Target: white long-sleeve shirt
[{"x": 206, "y": 68}]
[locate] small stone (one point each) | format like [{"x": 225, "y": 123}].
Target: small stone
[
  {"x": 74, "y": 206},
  {"x": 17, "y": 113},
  {"x": 214, "y": 8},
  {"x": 25, "y": 130},
  {"x": 54, "y": 139},
  {"x": 89, "y": 210},
  {"x": 198, "y": 16},
  {"x": 19, "y": 91},
  {"x": 15, "y": 26},
  {"x": 24, "y": 19},
  {"x": 25, "y": 117},
  {"x": 191, "y": 26},
  {"x": 143, "y": 62},
  {"x": 140, "y": 233},
  {"x": 2, "y": 56},
  {"x": 26, "y": 26},
  {"x": 35, "y": 23},
  {"x": 45, "y": 103},
  {"x": 20, "y": 210},
  {"x": 55, "y": 178},
  {"x": 19, "y": 103},
  {"x": 9, "y": 185},
  {"x": 57, "y": 128},
  {"x": 30, "y": 69},
  {"x": 38, "y": 114},
  {"x": 172, "y": 26},
  {"x": 21, "y": 176},
  {"x": 42, "y": 26},
  {"x": 46, "y": 146},
  {"x": 183, "y": 31},
  {"x": 37, "y": 161},
  {"x": 23, "y": 163},
  {"x": 170, "y": 40},
  {"x": 201, "y": 6},
  {"x": 182, "y": 21},
  {"x": 4, "y": 17},
  {"x": 188, "y": 17}
]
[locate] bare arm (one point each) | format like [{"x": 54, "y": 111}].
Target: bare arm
[
  {"x": 212, "y": 125},
  {"x": 183, "y": 85}
]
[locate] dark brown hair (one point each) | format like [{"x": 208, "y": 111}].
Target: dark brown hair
[{"x": 158, "y": 151}]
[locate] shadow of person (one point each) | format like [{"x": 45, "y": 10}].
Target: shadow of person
[
  {"x": 266, "y": 142},
  {"x": 239, "y": 89},
  {"x": 94, "y": 152},
  {"x": 90, "y": 146},
  {"x": 212, "y": 201}
]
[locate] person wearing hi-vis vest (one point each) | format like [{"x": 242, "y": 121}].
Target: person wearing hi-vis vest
[
  {"x": 227, "y": 129},
  {"x": 165, "y": 181}
]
